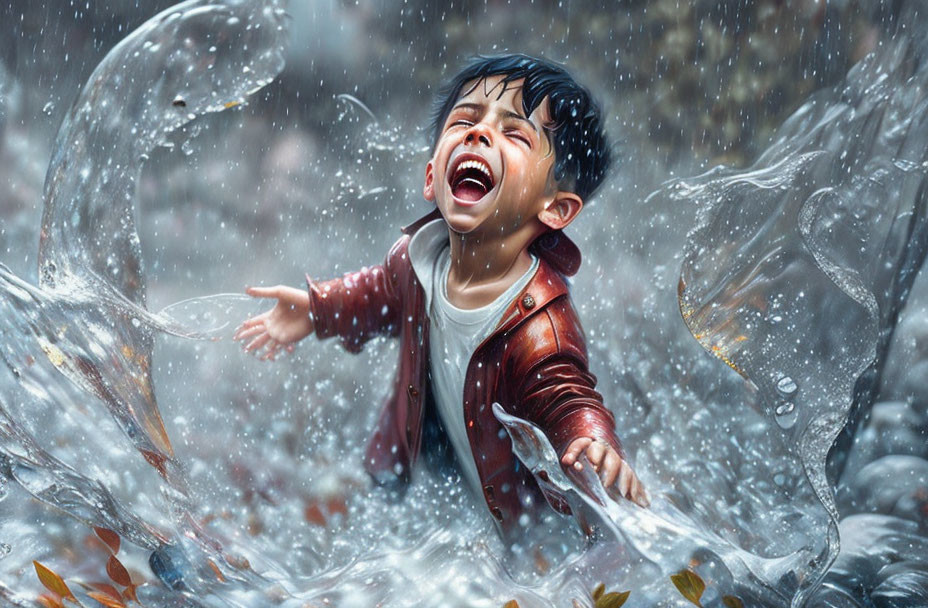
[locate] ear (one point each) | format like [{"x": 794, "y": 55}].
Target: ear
[
  {"x": 428, "y": 190},
  {"x": 561, "y": 211}
]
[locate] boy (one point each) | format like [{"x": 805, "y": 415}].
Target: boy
[{"x": 476, "y": 290}]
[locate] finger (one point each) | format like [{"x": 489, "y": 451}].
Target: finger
[
  {"x": 595, "y": 454},
  {"x": 271, "y": 351},
  {"x": 574, "y": 450},
  {"x": 251, "y": 322},
  {"x": 639, "y": 494},
  {"x": 643, "y": 499},
  {"x": 249, "y": 332},
  {"x": 264, "y": 292},
  {"x": 258, "y": 342},
  {"x": 625, "y": 480},
  {"x": 611, "y": 465},
  {"x": 647, "y": 497}
]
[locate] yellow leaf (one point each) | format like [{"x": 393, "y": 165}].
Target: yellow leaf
[
  {"x": 689, "y": 584},
  {"x": 231, "y": 104},
  {"x": 511, "y": 604},
  {"x": 613, "y": 599},
  {"x": 106, "y": 600},
  {"x": 598, "y": 591},
  {"x": 52, "y": 581},
  {"x": 54, "y": 354},
  {"x": 732, "y": 602}
]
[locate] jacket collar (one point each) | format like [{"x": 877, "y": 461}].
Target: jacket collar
[
  {"x": 558, "y": 257},
  {"x": 546, "y": 285},
  {"x": 553, "y": 247}
]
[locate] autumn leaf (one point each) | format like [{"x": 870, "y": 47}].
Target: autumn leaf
[
  {"x": 109, "y": 537},
  {"x": 49, "y": 601},
  {"x": 689, "y": 584},
  {"x": 118, "y": 572},
  {"x": 104, "y": 588},
  {"x": 219, "y": 576},
  {"x": 130, "y": 595},
  {"x": 313, "y": 514},
  {"x": 732, "y": 602},
  {"x": 598, "y": 592},
  {"x": 106, "y": 600},
  {"x": 52, "y": 581},
  {"x": 613, "y": 599},
  {"x": 511, "y": 604}
]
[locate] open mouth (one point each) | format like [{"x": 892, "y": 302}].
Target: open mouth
[{"x": 471, "y": 179}]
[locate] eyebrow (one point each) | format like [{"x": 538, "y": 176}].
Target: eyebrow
[{"x": 505, "y": 113}]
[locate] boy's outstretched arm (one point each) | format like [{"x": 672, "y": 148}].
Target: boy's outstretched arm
[
  {"x": 560, "y": 397},
  {"x": 612, "y": 468},
  {"x": 280, "y": 327}
]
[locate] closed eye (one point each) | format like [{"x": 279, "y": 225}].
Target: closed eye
[{"x": 520, "y": 136}]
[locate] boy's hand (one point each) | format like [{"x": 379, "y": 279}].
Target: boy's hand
[
  {"x": 611, "y": 467},
  {"x": 282, "y": 326}
]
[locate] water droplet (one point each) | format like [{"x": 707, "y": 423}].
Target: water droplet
[
  {"x": 48, "y": 108},
  {"x": 786, "y": 385},
  {"x": 136, "y": 322},
  {"x": 786, "y": 415}
]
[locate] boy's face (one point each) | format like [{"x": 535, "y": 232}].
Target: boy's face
[{"x": 493, "y": 167}]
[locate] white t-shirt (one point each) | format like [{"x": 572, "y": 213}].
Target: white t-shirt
[{"x": 454, "y": 334}]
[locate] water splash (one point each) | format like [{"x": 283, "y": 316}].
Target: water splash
[
  {"x": 797, "y": 268},
  {"x": 87, "y": 319}
]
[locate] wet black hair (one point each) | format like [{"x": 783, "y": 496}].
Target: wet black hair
[{"x": 581, "y": 151}]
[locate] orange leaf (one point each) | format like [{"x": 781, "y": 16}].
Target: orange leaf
[
  {"x": 52, "y": 581},
  {"x": 106, "y": 600},
  {"x": 104, "y": 588},
  {"x": 109, "y": 537},
  {"x": 313, "y": 514},
  {"x": 118, "y": 572},
  {"x": 216, "y": 571},
  {"x": 49, "y": 601},
  {"x": 129, "y": 594},
  {"x": 336, "y": 504},
  {"x": 511, "y": 604}
]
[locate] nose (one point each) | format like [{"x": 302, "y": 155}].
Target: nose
[{"x": 478, "y": 134}]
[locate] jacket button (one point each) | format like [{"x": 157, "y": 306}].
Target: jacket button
[
  {"x": 528, "y": 301},
  {"x": 488, "y": 490},
  {"x": 497, "y": 513}
]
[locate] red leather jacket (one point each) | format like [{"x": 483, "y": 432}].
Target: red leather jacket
[{"x": 534, "y": 364}]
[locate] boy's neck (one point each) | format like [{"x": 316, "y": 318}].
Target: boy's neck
[{"x": 484, "y": 266}]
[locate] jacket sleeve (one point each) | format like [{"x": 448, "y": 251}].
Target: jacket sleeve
[
  {"x": 360, "y": 305},
  {"x": 558, "y": 395}
]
